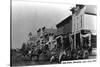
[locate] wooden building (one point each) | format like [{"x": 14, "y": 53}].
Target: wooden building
[
  {"x": 79, "y": 24},
  {"x": 65, "y": 26}
]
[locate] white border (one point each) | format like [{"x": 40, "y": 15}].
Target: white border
[{"x": 5, "y": 33}]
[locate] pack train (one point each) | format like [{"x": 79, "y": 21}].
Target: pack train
[{"x": 72, "y": 41}]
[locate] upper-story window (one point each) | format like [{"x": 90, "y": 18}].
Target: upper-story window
[{"x": 81, "y": 20}]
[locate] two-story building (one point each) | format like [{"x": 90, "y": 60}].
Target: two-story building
[
  {"x": 83, "y": 23},
  {"x": 80, "y": 24}
]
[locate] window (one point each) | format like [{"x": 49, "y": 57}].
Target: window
[{"x": 81, "y": 21}]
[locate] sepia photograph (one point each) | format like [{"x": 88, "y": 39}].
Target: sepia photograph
[{"x": 44, "y": 33}]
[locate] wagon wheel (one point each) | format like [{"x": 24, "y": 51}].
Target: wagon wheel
[
  {"x": 85, "y": 54},
  {"x": 74, "y": 54},
  {"x": 68, "y": 54},
  {"x": 79, "y": 54}
]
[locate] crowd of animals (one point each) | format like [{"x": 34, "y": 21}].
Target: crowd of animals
[{"x": 57, "y": 53}]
